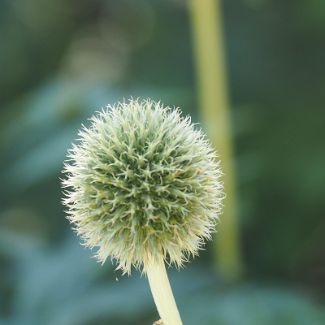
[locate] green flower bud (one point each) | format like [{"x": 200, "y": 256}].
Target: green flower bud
[{"x": 142, "y": 183}]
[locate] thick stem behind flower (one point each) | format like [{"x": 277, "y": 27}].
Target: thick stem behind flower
[
  {"x": 215, "y": 113},
  {"x": 162, "y": 292}
]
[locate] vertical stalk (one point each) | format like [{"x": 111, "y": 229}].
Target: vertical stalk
[
  {"x": 162, "y": 292},
  {"x": 212, "y": 89}
]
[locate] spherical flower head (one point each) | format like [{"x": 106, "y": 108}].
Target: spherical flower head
[{"x": 142, "y": 183}]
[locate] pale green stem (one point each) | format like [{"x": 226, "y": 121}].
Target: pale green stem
[
  {"x": 162, "y": 292},
  {"x": 212, "y": 89}
]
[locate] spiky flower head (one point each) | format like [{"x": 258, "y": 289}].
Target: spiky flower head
[{"x": 142, "y": 183}]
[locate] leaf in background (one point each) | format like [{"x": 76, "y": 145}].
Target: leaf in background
[{"x": 252, "y": 305}]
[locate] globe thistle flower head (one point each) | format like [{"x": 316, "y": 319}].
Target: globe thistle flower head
[{"x": 142, "y": 183}]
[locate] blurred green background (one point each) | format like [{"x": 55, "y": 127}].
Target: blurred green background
[{"x": 61, "y": 60}]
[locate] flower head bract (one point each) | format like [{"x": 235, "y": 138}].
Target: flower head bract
[{"x": 142, "y": 182}]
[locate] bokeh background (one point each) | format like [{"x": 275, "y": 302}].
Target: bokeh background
[{"x": 61, "y": 60}]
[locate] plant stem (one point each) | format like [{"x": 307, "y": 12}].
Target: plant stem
[
  {"x": 162, "y": 292},
  {"x": 212, "y": 88}
]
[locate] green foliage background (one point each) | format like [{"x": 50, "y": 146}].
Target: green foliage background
[{"x": 62, "y": 60}]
